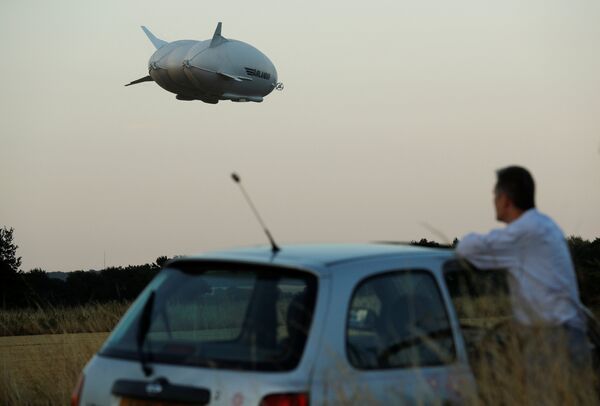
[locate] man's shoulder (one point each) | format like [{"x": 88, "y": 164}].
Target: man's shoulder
[
  {"x": 532, "y": 217},
  {"x": 538, "y": 223}
]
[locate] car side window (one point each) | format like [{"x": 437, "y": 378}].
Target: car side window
[{"x": 398, "y": 320}]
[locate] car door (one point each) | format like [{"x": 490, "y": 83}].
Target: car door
[{"x": 399, "y": 345}]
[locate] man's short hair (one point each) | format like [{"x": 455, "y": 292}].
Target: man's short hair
[{"x": 518, "y": 185}]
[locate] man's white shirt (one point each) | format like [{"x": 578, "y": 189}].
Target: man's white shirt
[{"x": 542, "y": 279}]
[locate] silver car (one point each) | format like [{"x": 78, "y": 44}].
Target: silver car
[{"x": 310, "y": 324}]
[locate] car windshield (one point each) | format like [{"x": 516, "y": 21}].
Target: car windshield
[{"x": 220, "y": 316}]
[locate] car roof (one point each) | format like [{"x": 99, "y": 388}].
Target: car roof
[{"x": 322, "y": 255}]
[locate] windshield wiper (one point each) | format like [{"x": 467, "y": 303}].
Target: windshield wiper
[{"x": 142, "y": 332}]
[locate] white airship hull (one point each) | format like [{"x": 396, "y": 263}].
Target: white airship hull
[{"x": 211, "y": 70}]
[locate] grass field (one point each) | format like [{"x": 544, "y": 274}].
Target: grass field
[
  {"x": 91, "y": 318},
  {"x": 42, "y": 351},
  {"x": 43, "y": 369}
]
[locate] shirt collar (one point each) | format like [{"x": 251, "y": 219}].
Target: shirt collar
[{"x": 526, "y": 214}]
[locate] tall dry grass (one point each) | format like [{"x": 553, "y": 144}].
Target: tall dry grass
[
  {"x": 89, "y": 318},
  {"x": 42, "y": 351},
  {"x": 43, "y": 369},
  {"x": 513, "y": 367}
]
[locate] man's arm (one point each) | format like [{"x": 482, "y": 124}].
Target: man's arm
[{"x": 489, "y": 251}]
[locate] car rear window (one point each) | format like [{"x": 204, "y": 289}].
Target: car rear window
[{"x": 221, "y": 316}]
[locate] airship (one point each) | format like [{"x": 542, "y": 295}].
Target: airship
[{"x": 211, "y": 70}]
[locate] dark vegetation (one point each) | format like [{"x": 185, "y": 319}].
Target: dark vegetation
[
  {"x": 40, "y": 289},
  {"x": 586, "y": 256}
]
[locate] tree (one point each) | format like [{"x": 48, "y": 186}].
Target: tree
[
  {"x": 8, "y": 250},
  {"x": 424, "y": 242},
  {"x": 10, "y": 283},
  {"x": 160, "y": 261}
]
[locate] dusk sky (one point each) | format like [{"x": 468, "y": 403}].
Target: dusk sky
[{"x": 394, "y": 117}]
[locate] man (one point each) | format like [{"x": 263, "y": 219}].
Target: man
[{"x": 542, "y": 281}]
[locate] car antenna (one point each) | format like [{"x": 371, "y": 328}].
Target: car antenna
[{"x": 274, "y": 247}]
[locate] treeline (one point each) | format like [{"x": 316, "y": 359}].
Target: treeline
[
  {"x": 586, "y": 257},
  {"x": 38, "y": 288}
]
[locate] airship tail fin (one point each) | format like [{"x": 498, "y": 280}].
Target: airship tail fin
[
  {"x": 144, "y": 79},
  {"x": 217, "y": 39},
  {"x": 157, "y": 42}
]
